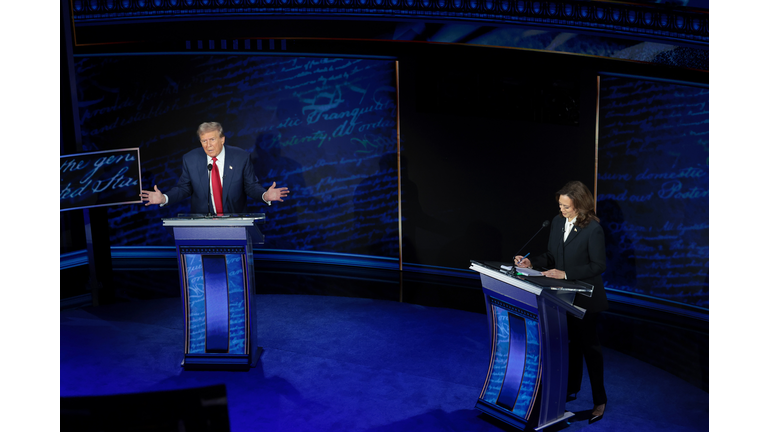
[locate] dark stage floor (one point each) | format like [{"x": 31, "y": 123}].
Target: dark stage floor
[
  {"x": 674, "y": 343},
  {"x": 335, "y": 363}
]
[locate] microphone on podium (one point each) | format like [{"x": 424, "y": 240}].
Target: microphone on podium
[
  {"x": 543, "y": 225},
  {"x": 210, "y": 168}
]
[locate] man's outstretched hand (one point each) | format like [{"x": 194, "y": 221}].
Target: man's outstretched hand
[
  {"x": 152, "y": 197},
  {"x": 272, "y": 194}
]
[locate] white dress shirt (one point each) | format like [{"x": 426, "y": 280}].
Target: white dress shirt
[{"x": 568, "y": 228}]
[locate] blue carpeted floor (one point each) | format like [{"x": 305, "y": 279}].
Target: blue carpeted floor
[{"x": 347, "y": 364}]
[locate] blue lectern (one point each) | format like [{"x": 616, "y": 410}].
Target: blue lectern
[
  {"x": 217, "y": 288},
  {"x": 528, "y": 373}
]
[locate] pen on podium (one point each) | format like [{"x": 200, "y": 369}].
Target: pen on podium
[{"x": 521, "y": 259}]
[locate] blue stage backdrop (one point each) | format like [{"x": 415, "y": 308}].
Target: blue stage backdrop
[
  {"x": 653, "y": 188},
  {"x": 323, "y": 127}
]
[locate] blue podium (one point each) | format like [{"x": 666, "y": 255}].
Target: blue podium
[
  {"x": 215, "y": 256},
  {"x": 526, "y": 384}
]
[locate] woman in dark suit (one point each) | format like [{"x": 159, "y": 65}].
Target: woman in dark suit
[{"x": 576, "y": 251}]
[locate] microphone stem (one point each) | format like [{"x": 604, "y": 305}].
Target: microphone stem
[
  {"x": 529, "y": 240},
  {"x": 543, "y": 225},
  {"x": 210, "y": 167}
]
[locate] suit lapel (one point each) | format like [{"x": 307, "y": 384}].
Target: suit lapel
[
  {"x": 202, "y": 172},
  {"x": 559, "y": 242},
  {"x": 227, "y": 180},
  {"x": 574, "y": 232}
]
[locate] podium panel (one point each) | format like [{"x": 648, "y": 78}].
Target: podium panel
[
  {"x": 215, "y": 258},
  {"x": 528, "y": 373},
  {"x": 512, "y": 383}
]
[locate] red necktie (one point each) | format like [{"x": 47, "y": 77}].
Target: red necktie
[{"x": 216, "y": 186}]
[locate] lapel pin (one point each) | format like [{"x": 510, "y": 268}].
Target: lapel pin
[{"x": 230, "y": 167}]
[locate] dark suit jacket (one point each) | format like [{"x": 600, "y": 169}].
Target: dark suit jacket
[
  {"x": 581, "y": 257},
  {"x": 239, "y": 182}
]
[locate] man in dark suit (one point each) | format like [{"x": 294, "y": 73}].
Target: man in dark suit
[
  {"x": 218, "y": 179},
  {"x": 576, "y": 251}
]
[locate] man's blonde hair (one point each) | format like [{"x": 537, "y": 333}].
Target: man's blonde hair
[{"x": 210, "y": 127}]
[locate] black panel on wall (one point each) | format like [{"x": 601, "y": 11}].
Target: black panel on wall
[{"x": 486, "y": 142}]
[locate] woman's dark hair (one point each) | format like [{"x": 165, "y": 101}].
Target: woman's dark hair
[{"x": 583, "y": 202}]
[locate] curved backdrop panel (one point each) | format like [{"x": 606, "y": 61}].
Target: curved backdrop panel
[
  {"x": 326, "y": 128},
  {"x": 323, "y": 127},
  {"x": 653, "y": 188}
]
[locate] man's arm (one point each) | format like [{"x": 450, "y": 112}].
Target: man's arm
[{"x": 182, "y": 190}]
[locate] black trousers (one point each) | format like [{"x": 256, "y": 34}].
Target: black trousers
[{"x": 584, "y": 345}]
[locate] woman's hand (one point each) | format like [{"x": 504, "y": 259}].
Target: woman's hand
[
  {"x": 522, "y": 262},
  {"x": 554, "y": 274}
]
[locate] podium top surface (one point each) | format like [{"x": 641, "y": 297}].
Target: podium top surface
[
  {"x": 557, "y": 295},
  {"x": 533, "y": 284},
  {"x": 496, "y": 274},
  {"x": 228, "y": 220}
]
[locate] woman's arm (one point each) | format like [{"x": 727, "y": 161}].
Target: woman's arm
[{"x": 595, "y": 262}]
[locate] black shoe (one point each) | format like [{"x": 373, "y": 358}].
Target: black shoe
[{"x": 597, "y": 417}]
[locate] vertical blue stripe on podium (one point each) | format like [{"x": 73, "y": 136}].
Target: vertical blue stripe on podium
[
  {"x": 236, "y": 280},
  {"x": 515, "y": 362},
  {"x": 531, "y": 371},
  {"x": 499, "y": 357},
  {"x": 196, "y": 294},
  {"x": 216, "y": 304}
]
